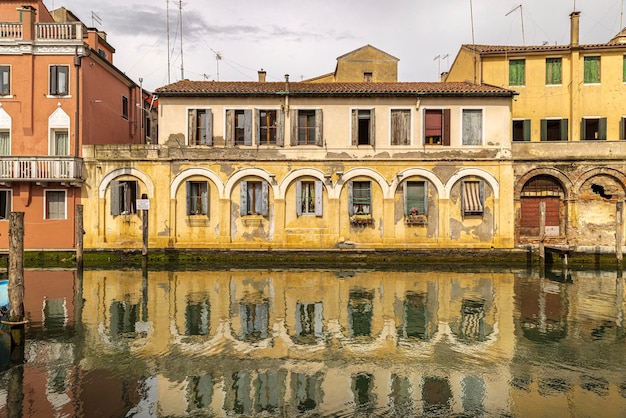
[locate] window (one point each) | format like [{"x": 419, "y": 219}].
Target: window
[
  {"x": 517, "y": 72},
  {"x": 400, "y": 127},
  {"x": 254, "y": 320},
  {"x": 54, "y": 314},
  {"x": 360, "y": 310},
  {"x": 55, "y": 204},
  {"x": 309, "y": 322},
  {"x": 360, "y": 198},
  {"x": 102, "y": 53},
  {"x": 309, "y": 198},
  {"x": 472, "y": 193},
  {"x": 306, "y": 127},
  {"x": 415, "y": 198},
  {"x": 254, "y": 198},
  {"x": 60, "y": 142},
  {"x": 125, "y": 107},
  {"x": 521, "y": 130},
  {"x": 5, "y": 142},
  {"x": 197, "y": 198},
  {"x": 239, "y": 127},
  {"x": 592, "y": 70},
  {"x": 5, "y": 204},
  {"x": 362, "y": 127},
  {"x": 59, "y": 80},
  {"x": 437, "y": 126},
  {"x": 124, "y": 317},
  {"x": 472, "y": 127},
  {"x": 123, "y": 197},
  {"x": 554, "y": 129},
  {"x": 368, "y": 77},
  {"x": 593, "y": 129},
  {"x": 5, "y": 80},
  {"x": 553, "y": 70},
  {"x": 197, "y": 315},
  {"x": 268, "y": 125},
  {"x": 200, "y": 127},
  {"x": 622, "y": 128}
]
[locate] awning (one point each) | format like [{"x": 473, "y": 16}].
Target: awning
[{"x": 472, "y": 203}]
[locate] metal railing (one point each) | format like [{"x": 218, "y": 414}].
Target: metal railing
[{"x": 40, "y": 168}]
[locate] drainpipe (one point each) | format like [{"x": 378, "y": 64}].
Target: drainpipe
[{"x": 77, "y": 62}]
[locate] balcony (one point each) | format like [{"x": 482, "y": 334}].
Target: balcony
[
  {"x": 41, "y": 170},
  {"x": 71, "y": 31}
]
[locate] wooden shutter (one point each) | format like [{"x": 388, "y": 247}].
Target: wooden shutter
[
  {"x": 526, "y": 129},
  {"x": 299, "y": 198},
  {"x": 208, "y": 120},
  {"x": 372, "y": 128},
  {"x": 355, "y": 126},
  {"x": 115, "y": 197},
  {"x": 544, "y": 130},
  {"x": 230, "y": 127},
  {"x": 564, "y": 129},
  {"x": 257, "y": 126},
  {"x": 446, "y": 127},
  {"x": 318, "y": 198},
  {"x": 191, "y": 132},
  {"x": 243, "y": 198},
  {"x": 602, "y": 129},
  {"x": 188, "y": 198},
  {"x": 264, "y": 198},
  {"x": 293, "y": 122},
  {"x": 205, "y": 199},
  {"x": 319, "y": 131},
  {"x": 280, "y": 129},
  {"x": 622, "y": 127},
  {"x": 350, "y": 200},
  {"x": 247, "y": 128}
]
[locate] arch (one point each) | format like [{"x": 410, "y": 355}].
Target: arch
[
  {"x": 600, "y": 171},
  {"x": 59, "y": 119},
  {"x": 410, "y": 172},
  {"x": 311, "y": 172},
  {"x": 185, "y": 174},
  {"x": 122, "y": 172},
  {"x": 5, "y": 119},
  {"x": 561, "y": 177},
  {"x": 257, "y": 172},
  {"x": 366, "y": 172},
  {"x": 464, "y": 172}
]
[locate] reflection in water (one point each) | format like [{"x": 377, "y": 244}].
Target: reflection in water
[{"x": 318, "y": 343}]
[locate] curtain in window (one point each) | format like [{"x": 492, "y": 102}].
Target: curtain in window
[
  {"x": 61, "y": 145},
  {"x": 5, "y": 143},
  {"x": 553, "y": 71}
]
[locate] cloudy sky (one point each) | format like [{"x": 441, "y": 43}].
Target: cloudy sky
[{"x": 304, "y": 38}]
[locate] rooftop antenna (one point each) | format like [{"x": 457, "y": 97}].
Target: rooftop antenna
[
  {"x": 95, "y": 19},
  {"x": 521, "y": 13},
  {"x": 621, "y": 15},
  {"x": 473, "y": 41},
  {"x": 446, "y": 57},
  {"x": 218, "y": 57},
  {"x": 180, "y": 17},
  {"x": 167, "y": 14},
  {"x": 438, "y": 59}
]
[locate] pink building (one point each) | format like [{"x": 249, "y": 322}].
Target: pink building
[{"x": 59, "y": 90}]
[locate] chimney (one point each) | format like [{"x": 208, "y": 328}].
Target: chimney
[
  {"x": 262, "y": 75},
  {"x": 574, "y": 28},
  {"x": 27, "y": 17}
]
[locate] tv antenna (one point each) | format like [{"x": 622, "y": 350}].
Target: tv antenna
[
  {"x": 218, "y": 57},
  {"x": 521, "y": 13},
  {"x": 95, "y": 19}
]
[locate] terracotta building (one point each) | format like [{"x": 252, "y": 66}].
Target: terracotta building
[{"x": 59, "y": 90}]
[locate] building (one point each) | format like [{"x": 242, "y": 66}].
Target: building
[
  {"x": 258, "y": 165},
  {"x": 59, "y": 90},
  {"x": 568, "y": 128}
]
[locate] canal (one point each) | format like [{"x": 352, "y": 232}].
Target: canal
[{"x": 293, "y": 342}]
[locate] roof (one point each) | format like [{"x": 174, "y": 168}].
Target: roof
[
  {"x": 303, "y": 89},
  {"x": 508, "y": 49},
  {"x": 367, "y": 48}
]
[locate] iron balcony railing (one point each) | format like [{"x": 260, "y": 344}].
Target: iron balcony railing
[
  {"x": 72, "y": 31},
  {"x": 34, "y": 169}
]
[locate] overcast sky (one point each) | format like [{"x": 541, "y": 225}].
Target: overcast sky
[{"x": 304, "y": 38}]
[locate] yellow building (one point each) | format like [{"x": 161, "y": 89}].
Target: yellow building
[
  {"x": 311, "y": 165},
  {"x": 567, "y": 130}
]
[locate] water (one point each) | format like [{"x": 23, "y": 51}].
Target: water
[{"x": 319, "y": 343}]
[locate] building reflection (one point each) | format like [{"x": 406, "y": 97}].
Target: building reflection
[{"x": 321, "y": 342}]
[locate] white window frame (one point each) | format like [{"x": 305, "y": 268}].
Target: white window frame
[
  {"x": 410, "y": 139},
  {"x": 10, "y": 83},
  {"x": 5, "y": 126},
  {"x": 482, "y": 126},
  {"x": 45, "y": 204},
  {"x": 68, "y": 92}
]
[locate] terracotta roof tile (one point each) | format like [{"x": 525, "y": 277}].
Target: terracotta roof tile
[
  {"x": 501, "y": 49},
  {"x": 236, "y": 88}
]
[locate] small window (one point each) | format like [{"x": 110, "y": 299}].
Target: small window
[
  {"x": 5, "y": 204},
  {"x": 55, "y": 204},
  {"x": 472, "y": 127},
  {"x": 415, "y": 198},
  {"x": 521, "y": 130},
  {"x": 5, "y": 80},
  {"x": 400, "y": 127},
  {"x": 102, "y": 53},
  {"x": 197, "y": 198},
  {"x": 242, "y": 127},
  {"x": 517, "y": 72},
  {"x": 306, "y": 127},
  {"x": 268, "y": 124},
  {"x": 368, "y": 77},
  {"x": 200, "y": 127},
  {"x": 553, "y": 71},
  {"x": 554, "y": 129},
  {"x": 254, "y": 198},
  {"x": 59, "y": 80},
  {"x": 60, "y": 142},
  {"x": 125, "y": 107},
  {"x": 591, "y": 70},
  {"x": 5, "y": 142},
  {"x": 123, "y": 197},
  {"x": 437, "y": 126},
  {"x": 472, "y": 193},
  {"x": 363, "y": 127},
  {"x": 309, "y": 198},
  {"x": 593, "y": 129},
  {"x": 360, "y": 198}
]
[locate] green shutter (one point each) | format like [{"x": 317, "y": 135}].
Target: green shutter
[
  {"x": 564, "y": 130},
  {"x": 544, "y": 130},
  {"x": 602, "y": 129},
  {"x": 526, "y": 129}
]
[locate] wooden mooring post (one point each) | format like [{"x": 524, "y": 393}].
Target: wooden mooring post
[
  {"x": 542, "y": 237},
  {"x": 80, "y": 231},
  {"x": 16, "y": 321},
  {"x": 619, "y": 225}
]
